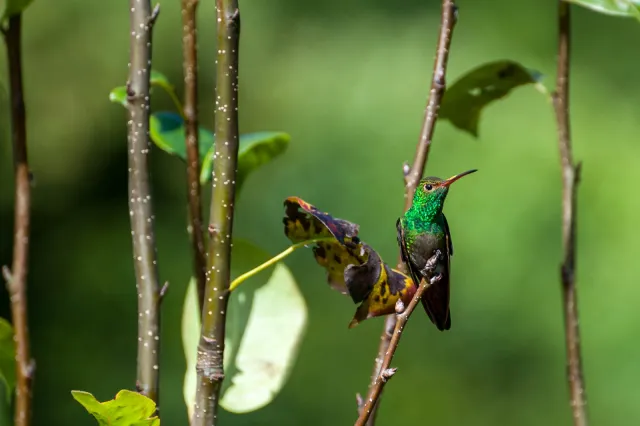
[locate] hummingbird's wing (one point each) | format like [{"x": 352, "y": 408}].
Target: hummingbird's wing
[
  {"x": 436, "y": 299},
  {"x": 416, "y": 276},
  {"x": 448, "y": 232}
]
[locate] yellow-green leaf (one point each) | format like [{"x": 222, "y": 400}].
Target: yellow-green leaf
[
  {"x": 266, "y": 320},
  {"x": 127, "y": 409}
]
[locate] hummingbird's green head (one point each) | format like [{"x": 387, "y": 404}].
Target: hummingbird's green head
[{"x": 432, "y": 191}]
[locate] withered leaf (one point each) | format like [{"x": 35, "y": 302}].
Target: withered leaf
[{"x": 353, "y": 267}]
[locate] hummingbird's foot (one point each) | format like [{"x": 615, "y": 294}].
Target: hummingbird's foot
[{"x": 431, "y": 263}]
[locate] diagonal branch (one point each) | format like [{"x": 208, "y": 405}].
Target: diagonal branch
[
  {"x": 402, "y": 316},
  {"x": 414, "y": 173},
  {"x": 16, "y": 278},
  {"x": 570, "y": 179},
  {"x": 190, "y": 66},
  {"x": 140, "y": 206},
  {"x": 209, "y": 366}
]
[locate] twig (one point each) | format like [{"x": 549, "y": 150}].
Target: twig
[
  {"x": 402, "y": 315},
  {"x": 140, "y": 206},
  {"x": 413, "y": 174},
  {"x": 209, "y": 367},
  {"x": 190, "y": 67},
  {"x": 570, "y": 180},
  {"x": 16, "y": 278}
]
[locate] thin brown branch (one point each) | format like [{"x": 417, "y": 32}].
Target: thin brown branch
[
  {"x": 209, "y": 366},
  {"x": 413, "y": 174},
  {"x": 16, "y": 279},
  {"x": 402, "y": 316},
  {"x": 190, "y": 69},
  {"x": 570, "y": 180},
  {"x": 142, "y": 18}
]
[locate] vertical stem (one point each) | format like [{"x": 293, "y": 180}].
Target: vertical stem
[
  {"x": 209, "y": 367},
  {"x": 17, "y": 277},
  {"x": 140, "y": 206},
  {"x": 190, "y": 66},
  {"x": 570, "y": 180},
  {"x": 413, "y": 175}
]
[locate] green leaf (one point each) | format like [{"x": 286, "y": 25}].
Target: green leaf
[
  {"x": 629, "y": 8},
  {"x": 14, "y": 7},
  {"x": 127, "y": 409},
  {"x": 256, "y": 149},
  {"x": 7, "y": 358},
  {"x": 465, "y": 99},
  {"x": 168, "y": 133},
  {"x": 265, "y": 324},
  {"x": 119, "y": 94}
]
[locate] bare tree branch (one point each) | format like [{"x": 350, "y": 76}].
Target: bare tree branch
[
  {"x": 140, "y": 205},
  {"x": 190, "y": 67},
  {"x": 413, "y": 174},
  {"x": 16, "y": 278},
  {"x": 402, "y": 315},
  {"x": 209, "y": 366},
  {"x": 570, "y": 180}
]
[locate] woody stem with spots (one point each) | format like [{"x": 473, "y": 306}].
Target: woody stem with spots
[
  {"x": 413, "y": 174},
  {"x": 190, "y": 69},
  {"x": 16, "y": 278},
  {"x": 570, "y": 180},
  {"x": 209, "y": 365},
  {"x": 402, "y": 316},
  {"x": 141, "y": 215}
]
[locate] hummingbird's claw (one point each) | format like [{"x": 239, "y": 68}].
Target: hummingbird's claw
[{"x": 432, "y": 262}]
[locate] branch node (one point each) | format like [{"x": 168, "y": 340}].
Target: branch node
[
  {"x": 163, "y": 291},
  {"x": 154, "y": 15},
  {"x": 6, "y": 274},
  {"x": 400, "y": 307},
  {"x": 388, "y": 373}
]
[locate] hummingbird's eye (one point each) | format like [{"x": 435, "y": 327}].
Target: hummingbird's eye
[{"x": 428, "y": 187}]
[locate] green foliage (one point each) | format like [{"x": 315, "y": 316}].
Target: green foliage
[
  {"x": 627, "y": 8},
  {"x": 14, "y": 7},
  {"x": 465, "y": 99},
  {"x": 119, "y": 94},
  {"x": 127, "y": 409},
  {"x": 256, "y": 149},
  {"x": 7, "y": 359},
  {"x": 167, "y": 131},
  {"x": 353, "y": 267},
  {"x": 265, "y": 324}
]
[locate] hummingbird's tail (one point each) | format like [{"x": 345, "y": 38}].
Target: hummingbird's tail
[{"x": 436, "y": 304}]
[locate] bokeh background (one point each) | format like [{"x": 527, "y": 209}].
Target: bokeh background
[{"x": 348, "y": 81}]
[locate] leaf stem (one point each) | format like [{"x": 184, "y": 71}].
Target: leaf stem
[
  {"x": 190, "y": 115},
  {"x": 235, "y": 283},
  {"x": 172, "y": 93},
  {"x": 140, "y": 206},
  {"x": 570, "y": 180},
  {"x": 414, "y": 173},
  {"x": 209, "y": 366},
  {"x": 16, "y": 278},
  {"x": 402, "y": 316}
]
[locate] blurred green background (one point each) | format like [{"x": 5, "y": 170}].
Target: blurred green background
[{"x": 348, "y": 81}]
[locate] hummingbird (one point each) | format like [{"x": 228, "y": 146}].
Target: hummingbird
[{"x": 422, "y": 231}]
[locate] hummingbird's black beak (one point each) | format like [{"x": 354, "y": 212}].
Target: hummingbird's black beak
[{"x": 458, "y": 176}]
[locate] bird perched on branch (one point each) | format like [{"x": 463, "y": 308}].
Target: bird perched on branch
[{"x": 421, "y": 231}]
